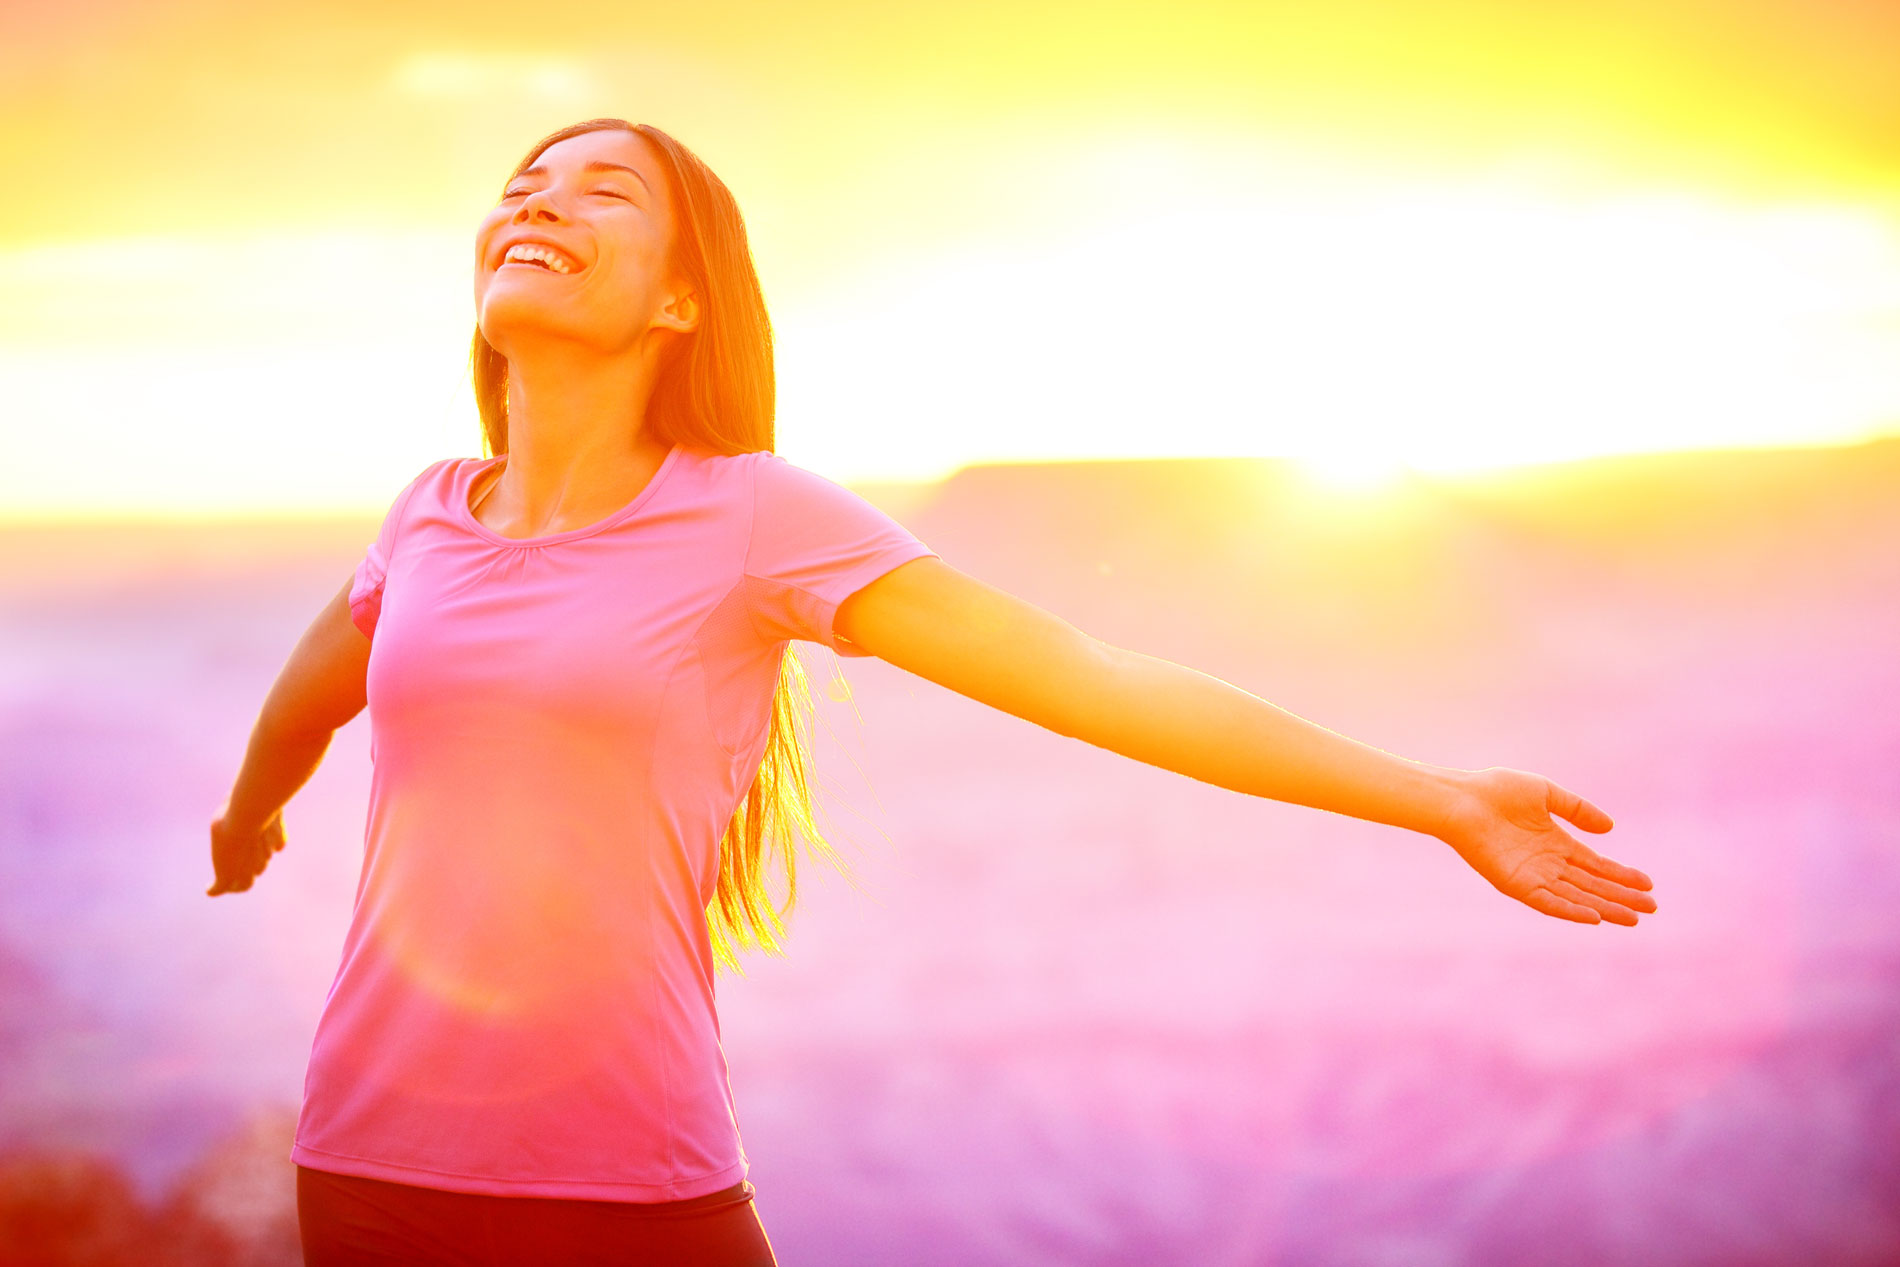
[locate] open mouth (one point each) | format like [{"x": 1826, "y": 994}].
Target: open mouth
[{"x": 534, "y": 255}]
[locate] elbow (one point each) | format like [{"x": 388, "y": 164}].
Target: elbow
[{"x": 1087, "y": 690}]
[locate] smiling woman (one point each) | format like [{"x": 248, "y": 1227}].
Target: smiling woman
[{"x": 577, "y": 658}]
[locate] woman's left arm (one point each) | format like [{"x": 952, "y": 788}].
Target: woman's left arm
[{"x": 942, "y": 624}]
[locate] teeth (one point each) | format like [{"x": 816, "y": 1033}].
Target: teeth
[{"x": 528, "y": 252}]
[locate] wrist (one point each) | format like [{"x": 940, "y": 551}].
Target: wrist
[
  {"x": 1445, "y": 801},
  {"x": 237, "y": 818}
]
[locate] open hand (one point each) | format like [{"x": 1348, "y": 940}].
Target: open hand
[
  {"x": 1503, "y": 827},
  {"x": 239, "y": 856}
]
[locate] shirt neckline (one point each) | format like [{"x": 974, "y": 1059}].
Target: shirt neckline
[{"x": 475, "y": 469}]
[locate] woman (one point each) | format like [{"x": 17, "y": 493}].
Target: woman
[{"x": 576, "y": 655}]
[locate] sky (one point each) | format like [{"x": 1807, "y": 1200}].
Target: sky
[{"x": 1373, "y": 236}]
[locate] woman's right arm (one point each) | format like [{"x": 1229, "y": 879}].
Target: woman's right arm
[{"x": 320, "y": 688}]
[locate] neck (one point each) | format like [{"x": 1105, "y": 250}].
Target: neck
[{"x": 578, "y": 447}]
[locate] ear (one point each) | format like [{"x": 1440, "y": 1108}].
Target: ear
[{"x": 680, "y": 312}]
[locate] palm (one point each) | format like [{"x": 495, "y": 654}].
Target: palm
[{"x": 1506, "y": 831}]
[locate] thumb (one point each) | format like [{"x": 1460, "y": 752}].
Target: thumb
[{"x": 1567, "y": 804}]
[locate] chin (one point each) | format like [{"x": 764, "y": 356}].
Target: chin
[{"x": 504, "y": 317}]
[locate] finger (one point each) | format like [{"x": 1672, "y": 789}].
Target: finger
[
  {"x": 1567, "y": 804},
  {"x": 1542, "y": 899},
  {"x": 1609, "y": 869},
  {"x": 1614, "y": 912},
  {"x": 1589, "y": 882}
]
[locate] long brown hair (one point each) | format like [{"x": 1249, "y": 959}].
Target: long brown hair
[{"x": 715, "y": 390}]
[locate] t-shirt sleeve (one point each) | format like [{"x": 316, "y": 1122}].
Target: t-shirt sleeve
[
  {"x": 815, "y": 543},
  {"x": 366, "y": 590}
]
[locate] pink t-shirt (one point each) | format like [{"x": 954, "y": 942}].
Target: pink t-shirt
[{"x": 561, "y": 728}]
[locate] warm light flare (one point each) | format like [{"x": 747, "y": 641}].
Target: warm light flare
[
  {"x": 1441, "y": 327},
  {"x": 1443, "y": 237},
  {"x": 1445, "y": 327}
]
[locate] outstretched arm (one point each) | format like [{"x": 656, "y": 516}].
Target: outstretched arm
[
  {"x": 320, "y": 688},
  {"x": 939, "y": 623}
]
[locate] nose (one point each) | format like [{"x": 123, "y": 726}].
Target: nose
[{"x": 538, "y": 205}]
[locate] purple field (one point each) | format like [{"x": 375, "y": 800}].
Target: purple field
[{"x": 1075, "y": 1009}]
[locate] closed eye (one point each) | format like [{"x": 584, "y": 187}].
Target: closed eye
[{"x": 612, "y": 193}]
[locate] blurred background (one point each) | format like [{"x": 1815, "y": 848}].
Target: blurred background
[{"x": 1499, "y": 384}]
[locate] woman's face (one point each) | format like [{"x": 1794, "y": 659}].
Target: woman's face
[{"x": 580, "y": 248}]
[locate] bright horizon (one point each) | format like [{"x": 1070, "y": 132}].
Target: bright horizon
[{"x": 1377, "y": 240}]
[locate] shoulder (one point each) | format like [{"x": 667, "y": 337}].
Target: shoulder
[
  {"x": 434, "y": 486},
  {"x": 745, "y": 465},
  {"x": 766, "y": 482},
  {"x": 434, "y": 481},
  {"x": 780, "y": 484},
  {"x": 439, "y": 472},
  {"x": 445, "y": 471}
]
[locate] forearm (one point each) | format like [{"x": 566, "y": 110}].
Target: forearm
[
  {"x": 278, "y": 761},
  {"x": 319, "y": 690},
  {"x": 1168, "y": 715}
]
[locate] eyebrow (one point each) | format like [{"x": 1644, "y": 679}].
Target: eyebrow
[{"x": 595, "y": 165}]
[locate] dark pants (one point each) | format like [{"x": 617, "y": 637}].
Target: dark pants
[{"x": 345, "y": 1220}]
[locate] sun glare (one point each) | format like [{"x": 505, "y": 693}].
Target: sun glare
[
  {"x": 1131, "y": 303},
  {"x": 1346, "y": 472},
  {"x": 1441, "y": 327}
]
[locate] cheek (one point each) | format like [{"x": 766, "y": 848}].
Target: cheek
[
  {"x": 637, "y": 268},
  {"x": 486, "y": 230},
  {"x": 483, "y": 236}
]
